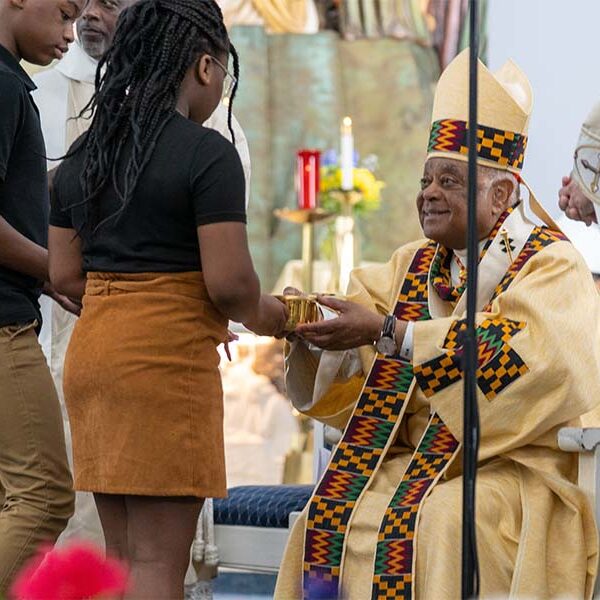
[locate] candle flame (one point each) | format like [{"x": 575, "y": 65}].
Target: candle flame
[{"x": 346, "y": 126}]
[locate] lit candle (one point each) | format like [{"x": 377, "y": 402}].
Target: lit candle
[
  {"x": 347, "y": 154},
  {"x": 307, "y": 176}
]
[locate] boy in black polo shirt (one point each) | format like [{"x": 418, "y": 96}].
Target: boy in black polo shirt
[{"x": 35, "y": 483}]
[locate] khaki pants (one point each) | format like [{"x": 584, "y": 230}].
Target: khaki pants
[
  {"x": 36, "y": 492},
  {"x": 56, "y": 333}
]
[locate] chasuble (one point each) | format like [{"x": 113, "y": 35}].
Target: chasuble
[{"x": 385, "y": 518}]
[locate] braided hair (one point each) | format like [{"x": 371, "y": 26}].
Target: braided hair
[{"x": 137, "y": 86}]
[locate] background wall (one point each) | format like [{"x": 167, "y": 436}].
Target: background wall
[
  {"x": 294, "y": 91},
  {"x": 557, "y": 43}
]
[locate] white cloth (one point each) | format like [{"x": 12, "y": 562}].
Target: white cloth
[
  {"x": 586, "y": 167},
  {"x": 258, "y": 424},
  {"x": 52, "y": 97},
  {"x": 406, "y": 350},
  {"x": 218, "y": 122},
  {"x": 587, "y": 161},
  {"x": 585, "y": 239},
  {"x": 462, "y": 257},
  {"x": 56, "y": 88}
]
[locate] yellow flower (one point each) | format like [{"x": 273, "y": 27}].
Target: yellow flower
[
  {"x": 365, "y": 182},
  {"x": 331, "y": 179}
]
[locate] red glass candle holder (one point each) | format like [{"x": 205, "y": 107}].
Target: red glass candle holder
[{"x": 308, "y": 178}]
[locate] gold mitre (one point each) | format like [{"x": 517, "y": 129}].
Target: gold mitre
[{"x": 504, "y": 107}]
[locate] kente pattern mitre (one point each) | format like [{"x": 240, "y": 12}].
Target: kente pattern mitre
[{"x": 504, "y": 108}]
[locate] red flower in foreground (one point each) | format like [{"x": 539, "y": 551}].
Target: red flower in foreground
[{"x": 75, "y": 572}]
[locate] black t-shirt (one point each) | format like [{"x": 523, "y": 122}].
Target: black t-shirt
[
  {"x": 23, "y": 185},
  {"x": 194, "y": 177}
]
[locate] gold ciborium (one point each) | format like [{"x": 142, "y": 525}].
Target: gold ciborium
[{"x": 302, "y": 309}]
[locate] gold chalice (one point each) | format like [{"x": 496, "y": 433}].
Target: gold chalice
[{"x": 302, "y": 309}]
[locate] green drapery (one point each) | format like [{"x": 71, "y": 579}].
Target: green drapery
[{"x": 294, "y": 91}]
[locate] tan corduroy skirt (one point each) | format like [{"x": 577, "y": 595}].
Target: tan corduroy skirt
[{"x": 143, "y": 389}]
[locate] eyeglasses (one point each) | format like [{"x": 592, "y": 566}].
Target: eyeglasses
[{"x": 229, "y": 82}]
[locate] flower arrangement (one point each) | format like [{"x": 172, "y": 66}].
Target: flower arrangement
[{"x": 366, "y": 184}]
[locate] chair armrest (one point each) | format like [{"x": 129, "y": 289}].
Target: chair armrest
[
  {"x": 586, "y": 441},
  {"x": 578, "y": 439}
]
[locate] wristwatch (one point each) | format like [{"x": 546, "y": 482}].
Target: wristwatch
[{"x": 386, "y": 344}]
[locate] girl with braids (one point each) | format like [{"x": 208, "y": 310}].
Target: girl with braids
[{"x": 148, "y": 227}]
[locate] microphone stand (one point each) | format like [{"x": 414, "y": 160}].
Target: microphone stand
[{"x": 470, "y": 566}]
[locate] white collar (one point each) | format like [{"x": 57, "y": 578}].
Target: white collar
[
  {"x": 492, "y": 267},
  {"x": 462, "y": 254},
  {"x": 78, "y": 65}
]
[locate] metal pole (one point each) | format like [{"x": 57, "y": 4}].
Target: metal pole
[{"x": 470, "y": 567}]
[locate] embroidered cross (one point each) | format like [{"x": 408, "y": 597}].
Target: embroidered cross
[
  {"x": 499, "y": 364},
  {"x": 594, "y": 186}
]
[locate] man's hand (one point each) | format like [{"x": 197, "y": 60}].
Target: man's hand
[
  {"x": 575, "y": 203},
  {"x": 69, "y": 305},
  {"x": 356, "y": 326},
  {"x": 292, "y": 291}
]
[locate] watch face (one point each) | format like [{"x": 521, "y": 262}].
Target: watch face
[{"x": 386, "y": 345}]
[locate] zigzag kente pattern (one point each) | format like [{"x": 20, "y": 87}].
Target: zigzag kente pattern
[
  {"x": 378, "y": 412},
  {"x": 499, "y": 364},
  {"x": 506, "y": 148},
  {"x": 394, "y": 557},
  {"x": 358, "y": 455},
  {"x": 540, "y": 238}
]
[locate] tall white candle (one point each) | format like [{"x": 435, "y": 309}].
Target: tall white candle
[{"x": 347, "y": 154}]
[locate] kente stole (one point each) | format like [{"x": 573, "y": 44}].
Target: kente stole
[{"x": 371, "y": 431}]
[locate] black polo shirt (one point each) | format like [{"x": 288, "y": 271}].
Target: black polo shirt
[{"x": 24, "y": 200}]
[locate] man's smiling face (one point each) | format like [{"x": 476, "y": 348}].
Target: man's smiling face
[{"x": 442, "y": 201}]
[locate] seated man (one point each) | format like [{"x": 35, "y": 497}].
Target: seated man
[{"x": 385, "y": 519}]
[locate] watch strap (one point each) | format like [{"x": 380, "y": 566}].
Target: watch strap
[{"x": 389, "y": 327}]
